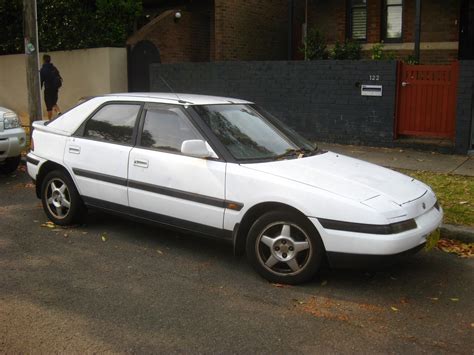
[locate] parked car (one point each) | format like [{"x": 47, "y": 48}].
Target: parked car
[
  {"x": 12, "y": 140},
  {"x": 225, "y": 168}
]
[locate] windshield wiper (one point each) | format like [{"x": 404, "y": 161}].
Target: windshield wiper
[
  {"x": 291, "y": 153},
  {"x": 299, "y": 153}
]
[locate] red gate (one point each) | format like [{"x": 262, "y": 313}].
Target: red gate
[{"x": 427, "y": 100}]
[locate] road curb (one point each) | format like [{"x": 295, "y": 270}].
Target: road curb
[{"x": 461, "y": 233}]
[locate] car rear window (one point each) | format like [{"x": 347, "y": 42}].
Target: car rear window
[{"x": 113, "y": 123}]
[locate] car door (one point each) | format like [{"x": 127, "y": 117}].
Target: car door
[
  {"x": 173, "y": 188},
  {"x": 98, "y": 153}
]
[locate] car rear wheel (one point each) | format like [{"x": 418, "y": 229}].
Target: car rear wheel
[
  {"x": 284, "y": 247},
  {"x": 10, "y": 165},
  {"x": 61, "y": 201}
]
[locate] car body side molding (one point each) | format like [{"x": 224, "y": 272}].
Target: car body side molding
[
  {"x": 98, "y": 176},
  {"x": 32, "y": 160},
  {"x": 184, "y": 195}
]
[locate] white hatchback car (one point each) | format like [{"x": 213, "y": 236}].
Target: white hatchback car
[{"x": 225, "y": 168}]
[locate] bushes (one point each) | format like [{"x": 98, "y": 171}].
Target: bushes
[
  {"x": 378, "y": 53},
  {"x": 316, "y": 48},
  {"x": 70, "y": 24},
  {"x": 348, "y": 50}
]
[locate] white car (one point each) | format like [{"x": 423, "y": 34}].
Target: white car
[
  {"x": 12, "y": 140},
  {"x": 225, "y": 168}
]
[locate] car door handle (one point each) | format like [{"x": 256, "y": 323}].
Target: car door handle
[
  {"x": 74, "y": 150},
  {"x": 140, "y": 163}
]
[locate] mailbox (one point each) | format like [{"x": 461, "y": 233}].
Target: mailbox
[{"x": 371, "y": 90}]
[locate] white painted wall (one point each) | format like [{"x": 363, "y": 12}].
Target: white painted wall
[{"x": 86, "y": 72}]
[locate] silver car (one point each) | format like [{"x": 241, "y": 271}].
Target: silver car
[{"x": 12, "y": 140}]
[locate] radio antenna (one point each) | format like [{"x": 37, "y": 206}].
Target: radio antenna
[{"x": 171, "y": 89}]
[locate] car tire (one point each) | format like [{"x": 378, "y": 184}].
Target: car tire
[
  {"x": 10, "y": 165},
  {"x": 61, "y": 201},
  {"x": 284, "y": 247}
]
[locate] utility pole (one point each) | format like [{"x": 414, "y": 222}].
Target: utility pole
[{"x": 30, "y": 32}]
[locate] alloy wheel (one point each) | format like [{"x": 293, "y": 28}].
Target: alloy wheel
[
  {"x": 58, "y": 198},
  {"x": 284, "y": 248}
]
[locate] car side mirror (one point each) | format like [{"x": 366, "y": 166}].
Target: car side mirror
[{"x": 196, "y": 148}]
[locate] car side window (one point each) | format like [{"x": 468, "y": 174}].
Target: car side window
[
  {"x": 113, "y": 123},
  {"x": 166, "y": 129}
]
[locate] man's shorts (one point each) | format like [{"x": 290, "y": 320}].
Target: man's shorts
[{"x": 50, "y": 98}]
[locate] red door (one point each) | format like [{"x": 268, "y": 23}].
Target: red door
[{"x": 427, "y": 100}]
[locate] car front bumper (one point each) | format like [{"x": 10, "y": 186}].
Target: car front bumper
[
  {"x": 372, "y": 246},
  {"x": 12, "y": 141}
]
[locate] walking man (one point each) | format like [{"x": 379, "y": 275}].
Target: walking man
[{"x": 52, "y": 81}]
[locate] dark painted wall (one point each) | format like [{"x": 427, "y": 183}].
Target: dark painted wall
[
  {"x": 465, "y": 109},
  {"x": 320, "y": 99}
]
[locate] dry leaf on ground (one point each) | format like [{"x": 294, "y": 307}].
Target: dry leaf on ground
[
  {"x": 464, "y": 250},
  {"x": 48, "y": 224}
]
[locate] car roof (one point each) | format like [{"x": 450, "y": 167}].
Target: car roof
[
  {"x": 71, "y": 120},
  {"x": 180, "y": 98}
]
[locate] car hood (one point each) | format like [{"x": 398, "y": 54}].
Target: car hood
[
  {"x": 4, "y": 110},
  {"x": 347, "y": 177}
]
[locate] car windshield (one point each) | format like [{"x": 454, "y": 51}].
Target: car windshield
[{"x": 252, "y": 134}]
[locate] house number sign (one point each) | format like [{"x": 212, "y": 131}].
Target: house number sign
[{"x": 374, "y": 77}]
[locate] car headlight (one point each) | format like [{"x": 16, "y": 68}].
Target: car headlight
[{"x": 10, "y": 120}]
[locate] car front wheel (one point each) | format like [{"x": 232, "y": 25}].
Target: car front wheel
[
  {"x": 284, "y": 247},
  {"x": 61, "y": 201},
  {"x": 10, "y": 165}
]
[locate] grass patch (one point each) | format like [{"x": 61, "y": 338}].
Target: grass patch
[{"x": 455, "y": 194}]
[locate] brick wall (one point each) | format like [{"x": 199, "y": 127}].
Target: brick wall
[
  {"x": 320, "y": 99},
  {"x": 250, "y": 30},
  {"x": 465, "y": 107},
  {"x": 187, "y": 40},
  {"x": 329, "y": 17}
]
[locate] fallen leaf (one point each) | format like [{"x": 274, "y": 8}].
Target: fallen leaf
[
  {"x": 103, "y": 237},
  {"x": 48, "y": 224},
  {"x": 464, "y": 250},
  {"x": 159, "y": 251},
  {"x": 279, "y": 285},
  {"x": 454, "y": 299},
  {"x": 65, "y": 235},
  {"x": 324, "y": 283},
  {"x": 30, "y": 185},
  {"x": 395, "y": 309},
  {"x": 433, "y": 298},
  {"x": 472, "y": 325},
  {"x": 463, "y": 202},
  {"x": 84, "y": 233}
]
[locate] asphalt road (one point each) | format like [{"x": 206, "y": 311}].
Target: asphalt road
[{"x": 145, "y": 289}]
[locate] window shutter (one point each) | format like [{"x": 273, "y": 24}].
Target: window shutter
[{"x": 359, "y": 23}]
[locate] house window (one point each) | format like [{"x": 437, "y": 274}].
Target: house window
[
  {"x": 393, "y": 17},
  {"x": 358, "y": 19}
]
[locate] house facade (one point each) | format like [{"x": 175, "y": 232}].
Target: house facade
[
  {"x": 221, "y": 30},
  {"x": 446, "y": 26}
]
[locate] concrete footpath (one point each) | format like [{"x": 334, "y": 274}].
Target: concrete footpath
[
  {"x": 415, "y": 160},
  {"x": 407, "y": 159}
]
